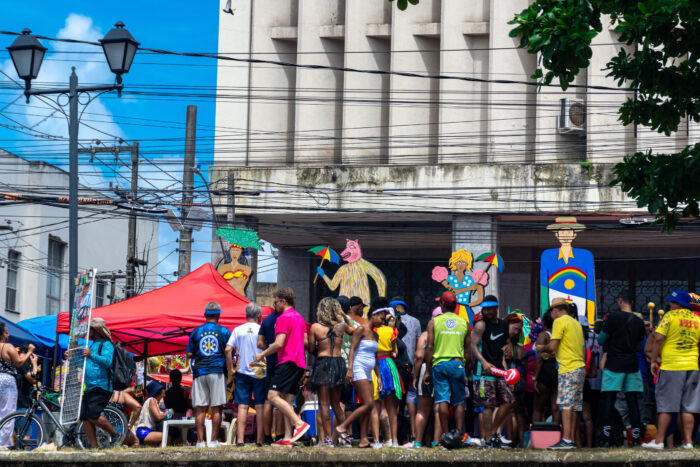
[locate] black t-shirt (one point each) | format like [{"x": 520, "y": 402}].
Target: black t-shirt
[
  {"x": 175, "y": 399},
  {"x": 625, "y": 333},
  {"x": 24, "y": 387}
]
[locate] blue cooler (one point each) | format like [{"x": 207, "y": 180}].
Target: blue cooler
[{"x": 308, "y": 414}]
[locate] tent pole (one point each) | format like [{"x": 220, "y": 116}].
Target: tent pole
[{"x": 53, "y": 363}]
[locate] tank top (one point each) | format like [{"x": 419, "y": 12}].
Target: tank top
[
  {"x": 450, "y": 331},
  {"x": 386, "y": 336},
  {"x": 492, "y": 342},
  {"x": 146, "y": 419}
]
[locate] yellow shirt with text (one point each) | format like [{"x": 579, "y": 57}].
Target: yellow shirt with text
[{"x": 682, "y": 331}]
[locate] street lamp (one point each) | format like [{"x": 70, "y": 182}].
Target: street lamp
[{"x": 27, "y": 54}]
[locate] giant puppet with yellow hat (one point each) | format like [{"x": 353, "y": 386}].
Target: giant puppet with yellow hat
[{"x": 567, "y": 272}]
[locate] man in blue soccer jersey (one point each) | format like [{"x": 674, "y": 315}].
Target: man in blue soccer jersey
[
  {"x": 567, "y": 272},
  {"x": 206, "y": 348}
]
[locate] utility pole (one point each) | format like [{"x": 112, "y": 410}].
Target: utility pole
[
  {"x": 185, "y": 248},
  {"x": 131, "y": 255}
]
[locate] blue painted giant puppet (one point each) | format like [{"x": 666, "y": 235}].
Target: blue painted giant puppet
[{"x": 567, "y": 272}]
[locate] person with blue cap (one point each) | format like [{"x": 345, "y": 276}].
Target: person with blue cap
[
  {"x": 151, "y": 416},
  {"x": 674, "y": 361},
  {"x": 206, "y": 349}
]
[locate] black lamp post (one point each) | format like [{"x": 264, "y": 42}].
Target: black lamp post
[{"x": 27, "y": 54}]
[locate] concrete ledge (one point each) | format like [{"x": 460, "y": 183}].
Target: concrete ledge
[
  {"x": 338, "y": 457},
  {"x": 380, "y": 31},
  {"x": 332, "y": 31},
  {"x": 475, "y": 28},
  {"x": 426, "y": 29},
  {"x": 284, "y": 33}
]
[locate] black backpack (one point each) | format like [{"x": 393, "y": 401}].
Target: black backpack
[{"x": 123, "y": 367}]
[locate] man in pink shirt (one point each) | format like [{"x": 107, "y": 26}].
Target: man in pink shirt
[{"x": 290, "y": 339}]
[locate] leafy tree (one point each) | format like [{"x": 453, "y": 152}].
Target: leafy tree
[
  {"x": 403, "y": 4},
  {"x": 664, "y": 70}
]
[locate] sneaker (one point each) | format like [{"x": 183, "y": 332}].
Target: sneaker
[
  {"x": 395, "y": 444},
  {"x": 377, "y": 445},
  {"x": 688, "y": 446},
  {"x": 495, "y": 443},
  {"x": 434, "y": 444},
  {"x": 474, "y": 442},
  {"x": 268, "y": 440},
  {"x": 653, "y": 445},
  {"x": 201, "y": 445},
  {"x": 505, "y": 441},
  {"x": 299, "y": 432},
  {"x": 562, "y": 445},
  {"x": 283, "y": 443},
  {"x": 214, "y": 444},
  {"x": 408, "y": 444},
  {"x": 417, "y": 444}
]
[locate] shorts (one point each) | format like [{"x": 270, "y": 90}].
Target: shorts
[
  {"x": 94, "y": 402},
  {"x": 286, "y": 378},
  {"x": 411, "y": 396},
  {"x": 209, "y": 390},
  {"x": 496, "y": 393},
  {"x": 614, "y": 381},
  {"x": 448, "y": 382},
  {"x": 678, "y": 391},
  {"x": 424, "y": 390},
  {"x": 141, "y": 434},
  {"x": 267, "y": 381},
  {"x": 247, "y": 386},
  {"x": 590, "y": 395},
  {"x": 347, "y": 397},
  {"x": 570, "y": 389}
]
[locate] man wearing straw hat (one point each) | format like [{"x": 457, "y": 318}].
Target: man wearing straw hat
[
  {"x": 567, "y": 272},
  {"x": 98, "y": 381}
]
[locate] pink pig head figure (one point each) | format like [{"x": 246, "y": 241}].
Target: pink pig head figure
[{"x": 352, "y": 252}]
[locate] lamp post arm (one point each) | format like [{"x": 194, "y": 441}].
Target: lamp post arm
[{"x": 78, "y": 89}]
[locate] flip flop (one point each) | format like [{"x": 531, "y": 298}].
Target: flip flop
[{"x": 364, "y": 447}]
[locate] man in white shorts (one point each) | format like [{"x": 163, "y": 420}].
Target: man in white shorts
[{"x": 206, "y": 349}]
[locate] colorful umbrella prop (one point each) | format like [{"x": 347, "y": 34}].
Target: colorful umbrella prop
[
  {"x": 493, "y": 259},
  {"x": 326, "y": 254}
]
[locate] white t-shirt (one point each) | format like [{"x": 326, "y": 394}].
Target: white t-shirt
[{"x": 244, "y": 340}]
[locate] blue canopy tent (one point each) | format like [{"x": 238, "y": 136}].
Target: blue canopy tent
[
  {"x": 44, "y": 328},
  {"x": 19, "y": 334}
]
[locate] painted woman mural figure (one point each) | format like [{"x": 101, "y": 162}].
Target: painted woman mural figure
[
  {"x": 469, "y": 288},
  {"x": 236, "y": 274}
]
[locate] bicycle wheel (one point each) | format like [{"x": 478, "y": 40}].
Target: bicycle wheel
[
  {"x": 117, "y": 419},
  {"x": 28, "y": 431}
]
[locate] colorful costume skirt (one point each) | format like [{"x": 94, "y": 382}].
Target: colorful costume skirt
[{"x": 391, "y": 381}]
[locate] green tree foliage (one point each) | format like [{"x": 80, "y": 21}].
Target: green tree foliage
[
  {"x": 664, "y": 70},
  {"x": 403, "y": 4}
]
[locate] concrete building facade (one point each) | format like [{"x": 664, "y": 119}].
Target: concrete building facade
[
  {"x": 34, "y": 254},
  {"x": 416, "y": 167}
]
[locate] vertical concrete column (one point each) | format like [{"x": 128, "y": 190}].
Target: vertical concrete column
[
  {"x": 462, "y": 118},
  {"x": 367, "y": 47},
  {"x": 318, "y": 115},
  {"x": 607, "y": 140},
  {"x": 294, "y": 269},
  {"x": 234, "y": 36},
  {"x": 507, "y": 122},
  {"x": 413, "y": 114},
  {"x": 477, "y": 234}
]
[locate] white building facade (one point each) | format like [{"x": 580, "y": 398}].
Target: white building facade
[
  {"x": 417, "y": 167},
  {"x": 34, "y": 254}
]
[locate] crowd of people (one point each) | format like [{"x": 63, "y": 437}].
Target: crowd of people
[{"x": 380, "y": 380}]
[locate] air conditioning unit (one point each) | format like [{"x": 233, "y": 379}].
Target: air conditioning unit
[{"x": 572, "y": 117}]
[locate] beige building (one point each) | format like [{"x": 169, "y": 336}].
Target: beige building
[{"x": 416, "y": 167}]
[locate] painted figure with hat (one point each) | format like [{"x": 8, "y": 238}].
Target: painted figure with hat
[{"x": 567, "y": 272}]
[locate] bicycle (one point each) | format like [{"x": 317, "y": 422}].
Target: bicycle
[{"x": 30, "y": 431}]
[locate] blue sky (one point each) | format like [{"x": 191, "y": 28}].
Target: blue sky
[{"x": 156, "y": 121}]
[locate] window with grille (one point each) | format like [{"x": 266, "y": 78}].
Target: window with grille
[
  {"x": 99, "y": 293},
  {"x": 54, "y": 273},
  {"x": 12, "y": 280}
]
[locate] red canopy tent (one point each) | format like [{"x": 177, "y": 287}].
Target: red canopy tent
[{"x": 159, "y": 322}]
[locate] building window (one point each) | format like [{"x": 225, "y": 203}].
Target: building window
[
  {"x": 99, "y": 293},
  {"x": 11, "y": 288},
  {"x": 53, "y": 279}
]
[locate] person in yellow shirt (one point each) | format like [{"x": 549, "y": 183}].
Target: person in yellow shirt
[
  {"x": 567, "y": 341},
  {"x": 677, "y": 341}
]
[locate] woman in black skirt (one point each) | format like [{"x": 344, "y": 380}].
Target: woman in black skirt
[{"x": 328, "y": 375}]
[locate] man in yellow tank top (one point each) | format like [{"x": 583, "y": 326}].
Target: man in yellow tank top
[{"x": 447, "y": 353}]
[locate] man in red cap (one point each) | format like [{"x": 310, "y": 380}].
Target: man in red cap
[{"x": 448, "y": 353}]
